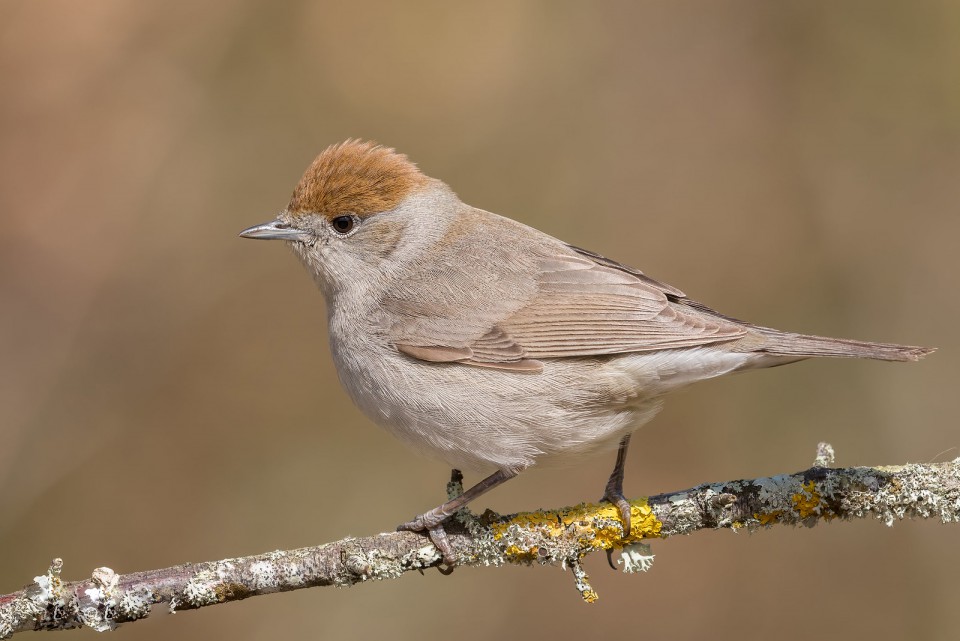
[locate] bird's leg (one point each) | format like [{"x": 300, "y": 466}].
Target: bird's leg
[
  {"x": 614, "y": 490},
  {"x": 432, "y": 521}
]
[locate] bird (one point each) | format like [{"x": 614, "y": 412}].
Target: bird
[{"x": 492, "y": 345}]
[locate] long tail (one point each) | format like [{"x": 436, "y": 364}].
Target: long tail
[{"x": 789, "y": 344}]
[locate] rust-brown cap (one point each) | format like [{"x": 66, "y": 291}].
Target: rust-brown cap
[{"x": 355, "y": 177}]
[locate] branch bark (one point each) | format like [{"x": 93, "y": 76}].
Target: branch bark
[{"x": 546, "y": 537}]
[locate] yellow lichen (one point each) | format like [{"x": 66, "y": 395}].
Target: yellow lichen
[
  {"x": 807, "y": 503},
  {"x": 595, "y": 526},
  {"x": 768, "y": 519},
  {"x": 517, "y": 553}
]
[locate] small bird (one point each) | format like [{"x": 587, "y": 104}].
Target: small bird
[{"x": 492, "y": 345}]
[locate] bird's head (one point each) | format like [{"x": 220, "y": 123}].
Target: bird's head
[{"x": 359, "y": 211}]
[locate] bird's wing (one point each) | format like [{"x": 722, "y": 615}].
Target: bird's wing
[{"x": 582, "y": 304}]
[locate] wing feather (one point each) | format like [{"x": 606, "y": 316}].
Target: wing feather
[{"x": 562, "y": 302}]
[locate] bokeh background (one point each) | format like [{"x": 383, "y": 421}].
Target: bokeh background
[{"x": 166, "y": 392}]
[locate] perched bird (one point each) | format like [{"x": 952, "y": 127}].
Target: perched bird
[{"x": 492, "y": 345}]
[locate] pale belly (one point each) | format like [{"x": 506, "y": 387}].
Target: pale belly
[{"x": 482, "y": 418}]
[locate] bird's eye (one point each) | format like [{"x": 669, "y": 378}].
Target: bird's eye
[{"x": 343, "y": 224}]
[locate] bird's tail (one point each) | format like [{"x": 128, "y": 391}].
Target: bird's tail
[{"x": 788, "y": 344}]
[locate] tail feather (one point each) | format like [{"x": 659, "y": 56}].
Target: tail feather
[{"x": 789, "y": 344}]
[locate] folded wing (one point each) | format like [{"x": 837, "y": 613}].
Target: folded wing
[{"x": 582, "y": 305}]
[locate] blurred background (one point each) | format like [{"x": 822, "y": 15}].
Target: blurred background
[{"x": 166, "y": 392}]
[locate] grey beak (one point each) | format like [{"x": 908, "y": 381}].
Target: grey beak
[{"x": 275, "y": 230}]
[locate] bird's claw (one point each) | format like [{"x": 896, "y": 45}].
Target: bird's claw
[
  {"x": 438, "y": 536},
  {"x": 623, "y": 506},
  {"x": 618, "y": 500}
]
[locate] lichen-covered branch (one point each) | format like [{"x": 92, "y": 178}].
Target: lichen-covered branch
[{"x": 546, "y": 537}]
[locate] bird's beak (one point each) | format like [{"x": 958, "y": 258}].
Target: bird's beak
[{"x": 275, "y": 230}]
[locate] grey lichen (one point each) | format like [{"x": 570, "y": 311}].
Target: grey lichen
[
  {"x": 825, "y": 455},
  {"x": 581, "y": 580},
  {"x": 133, "y": 605},
  {"x": 43, "y": 603},
  {"x": 636, "y": 557},
  {"x": 365, "y": 565},
  {"x": 97, "y": 607},
  {"x": 200, "y": 590},
  {"x": 907, "y": 491}
]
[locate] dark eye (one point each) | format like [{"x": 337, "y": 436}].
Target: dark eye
[{"x": 343, "y": 224}]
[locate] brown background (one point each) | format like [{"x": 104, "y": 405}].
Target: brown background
[{"x": 166, "y": 392}]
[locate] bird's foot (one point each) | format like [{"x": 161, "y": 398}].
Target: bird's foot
[
  {"x": 433, "y": 526},
  {"x": 616, "y": 498},
  {"x": 432, "y": 522}
]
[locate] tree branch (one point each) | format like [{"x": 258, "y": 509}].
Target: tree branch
[{"x": 555, "y": 537}]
